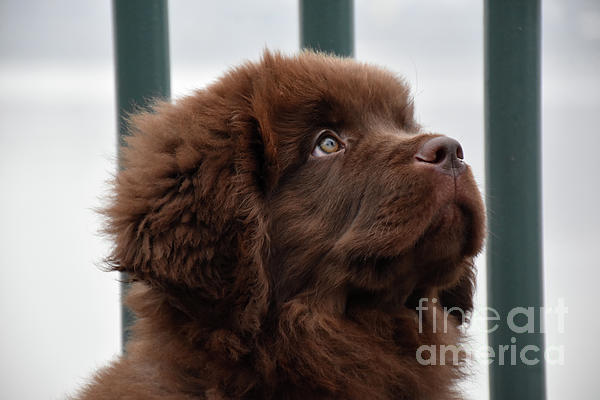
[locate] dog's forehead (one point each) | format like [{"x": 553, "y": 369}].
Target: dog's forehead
[
  {"x": 349, "y": 84},
  {"x": 323, "y": 90}
]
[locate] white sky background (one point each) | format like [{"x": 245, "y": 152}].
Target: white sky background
[{"x": 60, "y": 314}]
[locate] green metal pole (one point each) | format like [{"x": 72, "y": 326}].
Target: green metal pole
[
  {"x": 141, "y": 40},
  {"x": 513, "y": 185},
  {"x": 328, "y": 26}
]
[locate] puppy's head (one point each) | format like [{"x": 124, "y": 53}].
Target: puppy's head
[{"x": 294, "y": 177}]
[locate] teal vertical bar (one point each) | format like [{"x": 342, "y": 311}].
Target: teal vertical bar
[
  {"x": 513, "y": 185},
  {"x": 141, "y": 42},
  {"x": 328, "y": 26}
]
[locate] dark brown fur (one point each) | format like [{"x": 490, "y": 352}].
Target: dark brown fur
[{"x": 264, "y": 273}]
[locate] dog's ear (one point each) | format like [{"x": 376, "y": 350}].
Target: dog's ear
[{"x": 186, "y": 209}]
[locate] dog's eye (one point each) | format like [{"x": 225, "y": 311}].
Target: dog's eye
[{"x": 327, "y": 144}]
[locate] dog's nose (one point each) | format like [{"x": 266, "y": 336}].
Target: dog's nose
[{"x": 444, "y": 154}]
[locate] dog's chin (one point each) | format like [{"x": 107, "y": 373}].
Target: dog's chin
[
  {"x": 448, "y": 237},
  {"x": 452, "y": 239}
]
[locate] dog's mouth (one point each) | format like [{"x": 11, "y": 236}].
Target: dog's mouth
[
  {"x": 412, "y": 300},
  {"x": 404, "y": 299},
  {"x": 432, "y": 260},
  {"x": 435, "y": 260}
]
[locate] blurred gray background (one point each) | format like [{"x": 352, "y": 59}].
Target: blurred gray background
[{"x": 60, "y": 314}]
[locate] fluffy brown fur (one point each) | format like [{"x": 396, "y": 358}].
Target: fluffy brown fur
[{"x": 264, "y": 272}]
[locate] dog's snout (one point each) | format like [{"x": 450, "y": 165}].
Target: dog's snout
[{"x": 442, "y": 153}]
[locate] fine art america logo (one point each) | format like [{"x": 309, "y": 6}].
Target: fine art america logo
[{"x": 520, "y": 321}]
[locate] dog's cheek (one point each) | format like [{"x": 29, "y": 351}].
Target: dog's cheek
[
  {"x": 314, "y": 202},
  {"x": 395, "y": 210}
]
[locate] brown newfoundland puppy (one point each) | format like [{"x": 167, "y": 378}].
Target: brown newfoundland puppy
[{"x": 292, "y": 234}]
